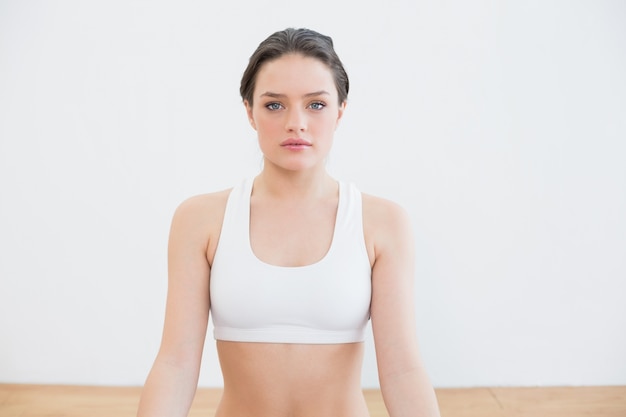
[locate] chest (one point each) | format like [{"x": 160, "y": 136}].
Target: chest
[{"x": 292, "y": 235}]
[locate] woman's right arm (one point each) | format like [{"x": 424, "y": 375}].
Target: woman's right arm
[{"x": 171, "y": 385}]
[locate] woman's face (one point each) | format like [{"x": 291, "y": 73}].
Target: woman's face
[{"x": 295, "y": 112}]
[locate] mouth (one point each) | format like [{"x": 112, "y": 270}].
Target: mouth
[{"x": 291, "y": 142}]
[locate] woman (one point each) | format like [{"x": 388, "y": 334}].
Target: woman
[{"x": 292, "y": 264}]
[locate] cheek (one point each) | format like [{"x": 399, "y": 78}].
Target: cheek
[
  {"x": 329, "y": 124},
  {"x": 266, "y": 124}
]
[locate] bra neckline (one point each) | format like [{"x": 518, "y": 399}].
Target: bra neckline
[{"x": 340, "y": 210}]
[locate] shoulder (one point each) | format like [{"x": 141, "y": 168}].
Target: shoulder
[
  {"x": 381, "y": 213},
  {"x": 386, "y": 225},
  {"x": 199, "y": 206},
  {"x": 197, "y": 221}
]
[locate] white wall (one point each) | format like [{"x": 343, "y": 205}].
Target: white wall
[{"x": 500, "y": 126}]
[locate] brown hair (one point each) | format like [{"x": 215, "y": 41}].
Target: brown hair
[{"x": 306, "y": 42}]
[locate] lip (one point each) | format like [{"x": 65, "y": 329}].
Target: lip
[{"x": 295, "y": 143}]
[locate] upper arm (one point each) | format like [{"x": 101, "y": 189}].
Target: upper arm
[
  {"x": 389, "y": 231},
  {"x": 188, "y": 302}
]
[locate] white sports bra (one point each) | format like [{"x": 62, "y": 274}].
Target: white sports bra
[{"x": 322, "y": 303}]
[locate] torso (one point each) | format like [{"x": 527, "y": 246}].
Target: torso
[
  {"x": 280, "y": 380},
  {"x": 277, "y": 379}
]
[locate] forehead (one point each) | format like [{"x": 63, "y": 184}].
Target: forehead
[{"x": 294, "y": 75}]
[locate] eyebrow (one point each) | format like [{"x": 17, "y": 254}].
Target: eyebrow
[{"x": 278, "y": 95}]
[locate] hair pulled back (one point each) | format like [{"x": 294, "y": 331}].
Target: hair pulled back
[{"x": 305, "y": 42}]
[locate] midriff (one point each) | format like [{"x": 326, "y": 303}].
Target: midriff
[{"x": 291, "y": 380}]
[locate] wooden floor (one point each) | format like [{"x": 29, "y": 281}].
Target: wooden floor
[{"x": 71, "y": 401}]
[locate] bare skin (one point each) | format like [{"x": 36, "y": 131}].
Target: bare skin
[
  {"x": 293, "y": 208},
  {"x": 291, "y": 380}
]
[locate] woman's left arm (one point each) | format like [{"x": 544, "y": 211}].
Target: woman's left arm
[{"x": 406, "y": 388}]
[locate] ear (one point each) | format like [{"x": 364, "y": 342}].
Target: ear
[
  {"x": 249, "y": 113},
  {"x": 342, "y": 108}
]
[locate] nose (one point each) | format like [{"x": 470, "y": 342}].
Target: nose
[{"x": 296, "y": 121}]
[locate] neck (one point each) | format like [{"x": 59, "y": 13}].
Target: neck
[{"x": 294, "y": 185}]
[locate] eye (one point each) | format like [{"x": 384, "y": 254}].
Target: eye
[
  {"x": 273, "y": 106},
  {"x": 317, "y": 105}
]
